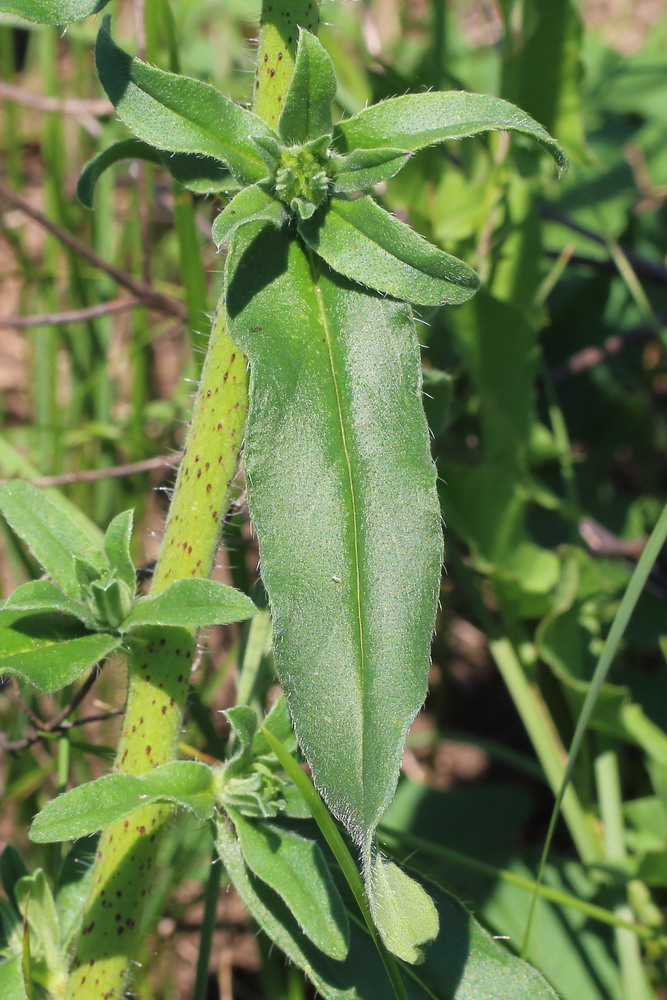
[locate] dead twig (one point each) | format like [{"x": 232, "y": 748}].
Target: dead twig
[
  {"x": 112, "y": 472},
  {"x": 149, "y": 296},
  {"x": 16, "y": 746},
  {"x": 590, "y": 356},
  {"x": 651, "y": 270},
  {"x": 61, "y": 721},
  {"x": 70, "y": 316},
  {"x": 66, "y": 105}
]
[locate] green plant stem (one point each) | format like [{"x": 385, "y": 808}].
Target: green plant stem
[
  {"x": 159, "y": 669},
  {"x": 611, "y": 812},
  {"x": 158, "y": 662}
]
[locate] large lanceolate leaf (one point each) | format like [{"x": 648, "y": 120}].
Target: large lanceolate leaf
[
  {"x": 178, "y": 114},
  {"x": 418, "y": 120},
  {"x": 342, "y": 493},
  {"x": 362, "y": 241},
  {"x": 52, "y": 11}
]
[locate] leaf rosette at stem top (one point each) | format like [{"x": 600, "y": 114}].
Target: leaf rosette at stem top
[{"x": 307, "y": 173}]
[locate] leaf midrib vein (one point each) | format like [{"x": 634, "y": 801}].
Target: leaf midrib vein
[{"x": 353, "y": 505}]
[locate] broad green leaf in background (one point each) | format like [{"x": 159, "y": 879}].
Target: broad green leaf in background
[
  {"x": 403, "y": 911},
  {"x": 415, "y": 121},
  {"x": 350, "y": 494},
  {"x": 191, "y": 604},
  {"x": 72, "y": 888},
  {"x": 12, "y": 868},
  {"x": 306, "y": 113},
  {"x": 93, "y": 806},
  {"x": 54, "y": 540},
  {"x": 252, "y": 204},
  {"x": 368, "y": 245},
  {"x": 177, "y": 113},
  {"x": 52, "y": 11},
  {"x": 464, "y": 963},
  {"x": 48, "y": 651},
  {"x": 295, "y": 868}
]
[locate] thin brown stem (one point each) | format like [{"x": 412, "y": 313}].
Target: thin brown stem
[
  {"x": 112, "y": 472},
  {"x": 149, "y": 296},
  {"x": 70, "y": 315},
  {"x": 64, "y": 105}
]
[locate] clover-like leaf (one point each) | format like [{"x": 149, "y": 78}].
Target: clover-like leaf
[
  {"x": 368, "y": 245},
  {"x": 295, "y": 868},
  {"x": 190, "y": 604},
  {"x": 48, "y": 650},
  {"x": 93, "y": 806},
  {"x": 52, "y": 11},
  {"x": 306, "y": 112},
  {"x": 362, "y": 168},
  {"x": 54, "y": 540},
  {"x": 252, "y": 204},
  {"x": 179, "y": 114},
  {"x": 415, "y": 121}
]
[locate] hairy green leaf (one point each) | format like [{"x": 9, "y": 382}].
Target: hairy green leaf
[
  {"x": 12, "y": 984},
  {"x": 93, "y": 806},
  {"x": 362, "y": 168},
  {"x": 34, "y": 897},
  {"x": 368, "y": 245},
  {"x": 414, "y": 121},
  {"x": 253, "y": 204},
  {"x": 41, "y": 595},
  {"x": 295, "y": 868},
  {"x": 52, "y": 11},
  {"x": 464, "y": 963},
  {"x": 54, "y": 540},
  {"x": 404, "y": 913},
  {"x": 190, "y": 604},
  {"x": 306, "y": 113},
  {"x": 48, "y": 651},
  {"x": 126, "y": 149},
  {"x": 177, "y": 113},
  {"x": 201, "y": 174},
  {"x": 345, "y": 510},
  {"x": 117, "y": 549}
]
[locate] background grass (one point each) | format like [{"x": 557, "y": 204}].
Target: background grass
[{"x": 546, "y": 400}]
